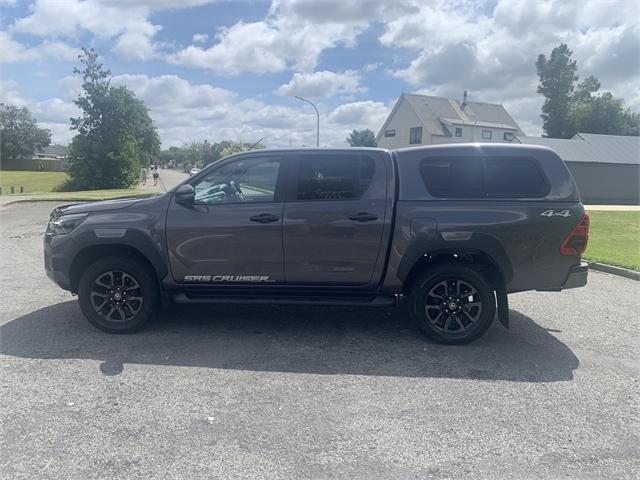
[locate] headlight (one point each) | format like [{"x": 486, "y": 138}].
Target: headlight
[{"x": 65, "y": 223}]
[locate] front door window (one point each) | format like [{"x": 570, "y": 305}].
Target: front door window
[{"x": 243, "y": 181}]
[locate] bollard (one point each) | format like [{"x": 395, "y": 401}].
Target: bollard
[
  {"x": 21, "y": 189},
  {"x": 13, "y": 190}
]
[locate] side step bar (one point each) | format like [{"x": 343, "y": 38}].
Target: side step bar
[{"x": 331, "y": 300}]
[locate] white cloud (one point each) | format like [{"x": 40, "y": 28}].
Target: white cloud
[
  {"x": 136, "y": 43},
  {"x": 441, "y": 47},
  {"x": 494, "y": 56},
  {"x": 367, "y": 114},
  {"x": 290, "y": 37},
  {"x": 200, "y": 38},
  {"x": 124, "y": 19},
  {"x": 322, "y": 84},
  {"x": 12, "y": 51},
  {"x": 174, "y": 92}
]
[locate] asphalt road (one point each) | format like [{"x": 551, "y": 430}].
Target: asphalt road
[{"x": 323, "y": 393}]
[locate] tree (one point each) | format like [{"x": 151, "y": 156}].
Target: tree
[
  {"x": 20, "y": 136},
  {"x": 557, "y": 76},
  {"x": 569, "y": 109},
  {"x": 605, "y": 114},
  {"x": 116, "y": 135},
  {"x": 362, "y": 138},
  {"x": 229, "y": 148},
  {"x": 594, "y": 112}
]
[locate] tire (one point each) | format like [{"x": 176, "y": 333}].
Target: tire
[
  {"x": 129, "y": 290},
  {"x": 452, "y": 313}
]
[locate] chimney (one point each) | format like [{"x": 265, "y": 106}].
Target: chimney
[{"x": 464, "y": 99}]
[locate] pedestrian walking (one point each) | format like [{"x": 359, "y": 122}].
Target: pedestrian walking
[{"x": 155, "y": 173}]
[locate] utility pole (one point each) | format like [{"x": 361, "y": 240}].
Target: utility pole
[{"x": 317, "y": 118}]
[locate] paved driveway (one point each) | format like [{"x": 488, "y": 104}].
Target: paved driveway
[{"x": 298, "y": 393}]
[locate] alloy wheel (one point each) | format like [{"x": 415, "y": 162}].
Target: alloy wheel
[
  {"x": 453, "y": 306},
  {"x": 116, "y": 295}
]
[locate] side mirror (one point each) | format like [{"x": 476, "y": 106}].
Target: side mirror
[{"x": 185, "y": 195}]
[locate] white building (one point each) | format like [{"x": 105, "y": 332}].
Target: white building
[{"x": 426, "y": 120}]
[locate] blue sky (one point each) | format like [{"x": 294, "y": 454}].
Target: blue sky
[{"x": 229, "y": 69}]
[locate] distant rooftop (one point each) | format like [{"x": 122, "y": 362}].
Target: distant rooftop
[
  {"x": 435, "y": 112},
  {"x": 57, "y": 150},
  {"x": 591, "y": 148}
]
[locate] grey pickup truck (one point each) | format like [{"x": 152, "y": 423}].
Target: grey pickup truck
[{"x": 453, "y": 229}]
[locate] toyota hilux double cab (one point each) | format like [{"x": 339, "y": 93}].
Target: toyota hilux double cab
[{"x": 451, "y": 229}]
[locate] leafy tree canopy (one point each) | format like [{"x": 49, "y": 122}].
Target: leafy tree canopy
[
  {"x": 20, "y": 136},
  {"x": 200, "y": 154},
  {"x": 569, "y": 108},
  {"x": 116, "y": 135},
  {"x": 362, "y": 138}
]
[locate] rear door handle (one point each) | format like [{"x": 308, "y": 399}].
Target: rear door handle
[
  {"x": 363, "y": 217},
  {"x": 264, "y": 218}
]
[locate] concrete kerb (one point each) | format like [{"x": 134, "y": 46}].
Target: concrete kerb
[{"x": 622, "y": 272}]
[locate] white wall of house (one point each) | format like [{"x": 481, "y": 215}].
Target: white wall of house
[
  {"x": 402, "y": 121},
  {"x": 471, "y": 134}
]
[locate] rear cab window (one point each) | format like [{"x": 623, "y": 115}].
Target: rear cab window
[{"x": 483, "y": 177}]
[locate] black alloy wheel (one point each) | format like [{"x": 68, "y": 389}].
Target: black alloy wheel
[
  {"x": 118, "y": 294},
  {"x": 452, "y": 303}
]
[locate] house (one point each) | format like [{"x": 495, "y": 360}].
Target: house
[
  {"x": 605, "y": 167},
  {"x": 426, "y": 120}
]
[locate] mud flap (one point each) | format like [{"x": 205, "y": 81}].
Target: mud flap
[{"x": 503, "y": 306}]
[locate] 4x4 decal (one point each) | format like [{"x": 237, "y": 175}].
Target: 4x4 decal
[{"x": 553, "y": 213}]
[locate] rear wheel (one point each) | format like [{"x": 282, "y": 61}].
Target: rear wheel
[
  {"x": 452, "y": 304},
  {"x": 117, "y": 295}
]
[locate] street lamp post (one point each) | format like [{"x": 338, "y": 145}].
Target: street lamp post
[{"x": 317, "y": 118}]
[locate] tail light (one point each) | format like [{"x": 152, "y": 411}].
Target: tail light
[{"x": 576, "y": 241}]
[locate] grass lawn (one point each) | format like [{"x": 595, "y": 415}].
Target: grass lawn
[
  {"x": 614, "y": 238},
  {"x": 33, "y": 182},
  {"x": 40, "y": 185}
]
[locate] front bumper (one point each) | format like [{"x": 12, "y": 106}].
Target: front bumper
[
  {"x": 56, "y": 265},
  {"x": 577, "y": 276}
]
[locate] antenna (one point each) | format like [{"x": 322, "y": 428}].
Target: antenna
[{"x": 253, "y": 146}]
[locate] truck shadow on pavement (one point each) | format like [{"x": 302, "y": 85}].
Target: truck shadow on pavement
[{"x": 315, "y": 340}]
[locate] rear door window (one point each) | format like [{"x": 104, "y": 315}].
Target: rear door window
[{"x": 334, "y": 177}]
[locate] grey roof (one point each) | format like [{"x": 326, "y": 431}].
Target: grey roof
[
  {"x": 433, "y": 111},
  {"x": 591, "y": 148},
  {"x": 57, "y": 150}
]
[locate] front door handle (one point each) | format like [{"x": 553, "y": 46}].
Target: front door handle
[
  {"x": 363, "y": 217},
  {"x": 264, "y": 218}
]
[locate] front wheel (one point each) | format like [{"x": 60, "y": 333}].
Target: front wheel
[
  {"x": 117, "y": 295},
  {"x": 452, "y": 304}
]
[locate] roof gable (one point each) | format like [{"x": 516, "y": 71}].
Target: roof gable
[{"x": 434, "y": 110}]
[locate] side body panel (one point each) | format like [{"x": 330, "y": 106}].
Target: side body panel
[
  {"x": 226, "y": 242},
  {"x": 513, "y": 232},
  {"x": 324, "y": 245},
  {"x": 139, "y": 225},
  {"x": 523, "y": 244}
]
